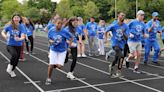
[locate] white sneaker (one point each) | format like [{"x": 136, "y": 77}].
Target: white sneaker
[
  {"x": 70, "y": 75},
  {"x": 12, "y": 74},
  {"x": 83, "y": 55},
  {"x": 9, "y": 68},
  {"x": 78, "y": 55},
  {"x": 48, "y": 81}
]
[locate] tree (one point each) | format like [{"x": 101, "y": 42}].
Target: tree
[
  {"x": 64, "y": 9},
  {"x": 9, "y": 7},
  {"x": 91, "y": 10},
  {"x": 33, "y": 13}
]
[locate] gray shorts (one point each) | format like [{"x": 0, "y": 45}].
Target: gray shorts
[{"x": 135, "y": 47}]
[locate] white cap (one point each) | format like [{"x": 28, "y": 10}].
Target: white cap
[{"x": 140, "y": 12}]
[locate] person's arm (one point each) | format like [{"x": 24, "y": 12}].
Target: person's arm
[
  {"x": 108, "y": 29},
  {"x": 4, "y": 34}
]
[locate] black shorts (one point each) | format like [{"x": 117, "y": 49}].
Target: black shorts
[{"x": 83, "y": 38}]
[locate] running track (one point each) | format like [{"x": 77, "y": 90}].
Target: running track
[{"x": 92, "y": 75}]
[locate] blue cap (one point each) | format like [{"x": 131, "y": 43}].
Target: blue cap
[{"x": 154, "y": 14}]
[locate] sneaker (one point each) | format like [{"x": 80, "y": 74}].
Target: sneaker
[
  {"x": 78, "y": 55},
  {"x": 145, "y": 62},
  {"x": 127, "y": 63},
  {"x": 9, "y": 68},
  {"x": 27, "y": 53},
  {"x": 156, "y": 63},
  {"x": 90, "y": 54},
  {"x": 70, "y": 75},
  {"x": 83, "y": 55},
  {"x": 48, "y": 81},
  {"x": 22, "y": 59},
  {"x": 12, "y": 74},
  {"x": 110, "y": 69},
  {"x": 136, "y": 71},
  {"x": 118, "y": 73}
]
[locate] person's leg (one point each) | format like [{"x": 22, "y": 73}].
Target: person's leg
[
  {"x": 74, "y": 58},
  {"x": 31, "y": 42},
  {"x": 147, "y": 50},
  {"x": 132, "y": 48},
  {"x": 99, "y": 46},
  {"x": 67, "y": 57},
  {"x": 102, "y": 47},
  {"x": 83, "y": 49},
  {"x": 79, "y": 49},
  {"x": 18, "y": 50},
  {"x": 138, "y": 53},
  {"x": 95, "y": 45},
  {"x": 27, "y": 46},
  {"x": 90, "y": 43},
  {"x": 156, "y": 51}
]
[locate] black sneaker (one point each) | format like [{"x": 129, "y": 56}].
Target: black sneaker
[
  {"x": 156, "y": 63},
  {"x": 145, "y": 62},
  {"x": 127, "y": 63},
  {"x": 136, "y": 71}
]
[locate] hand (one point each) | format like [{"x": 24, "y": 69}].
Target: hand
[
  {"x": 17, "y": 38},
  {"x": 131, "y": 35},
  {"x": 146, "y": 35}
]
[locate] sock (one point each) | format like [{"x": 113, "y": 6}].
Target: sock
[{"x": 135, "y": 67}]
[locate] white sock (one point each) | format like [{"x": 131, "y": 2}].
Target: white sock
[{"x": 135, "y": 67}]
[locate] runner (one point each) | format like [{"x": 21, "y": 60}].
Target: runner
[
  {"x": 92, "y": 38},
  {"x": 137, "y": 28},
  {"x": 153, "y": 27},
  {"x": 81, "y": 38},
  {"x": 119, "y": 35},
  {"x": 72, "y": 28},
  {"x": 100, "y": 33},
  {"x": 14, "y": 34},
  {"x": 30, "y": 35},
  {"x": 58, "y": 47}
]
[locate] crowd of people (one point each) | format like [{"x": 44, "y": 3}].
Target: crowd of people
[{"x": 67, "y": 38}]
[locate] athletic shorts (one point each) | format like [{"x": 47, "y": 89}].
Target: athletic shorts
[
  {"x": 83, "y": 38},
  {"x": 135, "y": 46},
  {"x": 57, "y": 58}
]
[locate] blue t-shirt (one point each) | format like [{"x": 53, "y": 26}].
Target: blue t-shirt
[
  {"x": 137, "y": 28},
  {"x": 115, "y": 21},
  {"x": 118, "y": 31},
  {"x": 162, "y": 32},
  {"x": 101, "y": 30},
  {"x": 74, "y": 42},
  {"x": 80, "y": 29},
  {"x": 50, "y": 25},
  {"x": 155, "y": 29},
  {"x": 59, "y": 38},
  {"x": 92, "y": 28},
  {"x": 29, "y": 30},
  {"x": 13, "y": 32}
]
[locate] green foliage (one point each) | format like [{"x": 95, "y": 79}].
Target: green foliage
[
  {"x": 64, "y": 9},
  {"x": 91, "y": 10}
]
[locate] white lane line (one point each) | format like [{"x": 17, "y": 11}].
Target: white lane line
[
  {"x": 105, "y": 84},
  {"x": 120, "y": 78},
  {"x": 139, "y": 84},
  {"x": 28, "y": 78},
  {"x": 106, "y": 47},
  {"x": 129, "y": 68},
  {"x": 27, "y": 82},
  {"x": 66, "y": 73}
]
